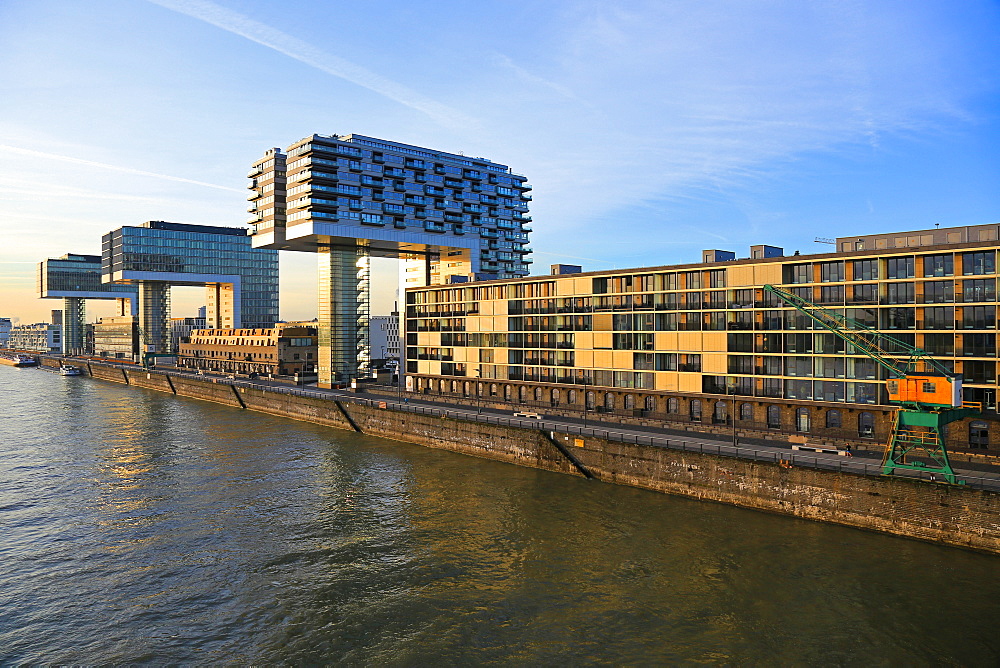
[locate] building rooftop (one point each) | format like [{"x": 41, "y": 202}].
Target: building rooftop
[{"x": 184, "y": 227}]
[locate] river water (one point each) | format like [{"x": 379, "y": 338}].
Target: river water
[{"x": 138, "y": 527}]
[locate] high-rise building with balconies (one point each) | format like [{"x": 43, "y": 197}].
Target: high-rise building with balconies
[{"x": 450, "y": 217}]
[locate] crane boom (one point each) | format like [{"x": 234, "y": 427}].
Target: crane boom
[
  {"x": 881, "y": 347},
  {"x": 929, "y": 395}
]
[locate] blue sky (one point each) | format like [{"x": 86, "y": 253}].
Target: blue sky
[{"x": 649, "y": 130}]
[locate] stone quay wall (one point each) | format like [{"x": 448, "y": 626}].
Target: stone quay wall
[{"x": 946, "y": 514}]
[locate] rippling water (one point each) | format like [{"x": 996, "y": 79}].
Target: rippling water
[{"x": 140, "y": 527}]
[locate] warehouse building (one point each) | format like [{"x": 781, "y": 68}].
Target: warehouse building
[{"x": 706, "y": 346}]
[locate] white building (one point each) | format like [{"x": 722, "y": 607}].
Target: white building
[
  {"x": 181, "y": 328},
  {"x": 5, "y": 326},
  {"x": 383, "y": 336},
  {"x": 40, "y": 337}
]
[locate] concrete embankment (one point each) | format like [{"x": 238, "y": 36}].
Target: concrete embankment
[{"x": 947, "y": 514}]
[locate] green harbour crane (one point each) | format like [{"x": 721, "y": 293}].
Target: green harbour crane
[{"x": 927, "y": 394}]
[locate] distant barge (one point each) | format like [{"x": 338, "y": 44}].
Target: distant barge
[{"x": 17, "y": 359}]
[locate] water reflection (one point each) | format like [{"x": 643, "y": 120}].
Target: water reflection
[{"x": 140, "y": 527}]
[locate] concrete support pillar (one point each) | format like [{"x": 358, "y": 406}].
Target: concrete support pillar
[
  {"x": 154, "y": 317},
  {"x": 73, "y": 326},
  {"x": 344, "y": 303}
]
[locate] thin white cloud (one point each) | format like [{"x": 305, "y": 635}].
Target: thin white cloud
[
  {"x": 302, "y": 51},
  {"x": 115, "y": 168},
  {"x": 17, "y": 190},
  {"x": 507, "y": 62}
]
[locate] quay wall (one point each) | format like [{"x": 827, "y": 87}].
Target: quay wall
[{"x": 946, "y": 514}]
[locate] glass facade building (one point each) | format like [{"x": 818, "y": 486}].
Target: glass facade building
[
  {"x": 75, "y": 279},
  {"x": 241, "y": 281}
]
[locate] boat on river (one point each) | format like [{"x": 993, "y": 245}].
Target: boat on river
[
  {"x": 69, "y": 370},
  {"x": 17, "y": 359}
]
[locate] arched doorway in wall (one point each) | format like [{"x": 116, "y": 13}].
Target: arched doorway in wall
[
  {"x": 720, "y": 413},
  {"x": 555, "y": 396},
  {"x": 746, "y": 412},
  {"x": 507, "y": 393},
  {"x": 673, "y": 405},
  {"x": 833, "y": 419},
  {"x": 609, "y": 401},
  {"x": 650, "y": 403},
  {"x": 774, "y": 417},
  {"x": 694, "y": 410},
  {"x": 866, "y": 425},
  {"x": 591, "y": 401},
  {"x": 802, "y": 422}
]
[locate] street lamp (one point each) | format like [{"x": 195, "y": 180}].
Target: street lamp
[
  {"x": 479, "y": 407},
  {"x": 732, "y": 386}
]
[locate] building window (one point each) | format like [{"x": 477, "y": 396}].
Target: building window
[
  {"x": 746, "y": 412},
  {"x": 979, "y": 290},
  {"x": 939, "y": 292},
  {"x": 591, "y": 401},
  {"x": 898, "y": 318},
  {"x": 899, "y": 293},
  {"x": 833, "y": 419},
  {"x": 673, "y": 405},
  {"x": 831, "y": 272},
  {"x": 979, "y": 434},
  {"x": 629, "y": 402},
  {"x": 798, "y": 273},
  {"x": 866, "y": 293},
  {"x": 572, "y": 397},
  {"x": 802, "y": 420},
  {"x": 979, "y": 263},
  {"x": 774, "y": 417},
  {"x": 979, "y": 317},
  {"x": 694, "y": 410},
  {"x": 899, "y": 267},
  {"x": 650, "y": 404},
  {"x": 609, "y": 401},
  {"x": 939, "y": 265},
  {"x": 866, "y": 270}
]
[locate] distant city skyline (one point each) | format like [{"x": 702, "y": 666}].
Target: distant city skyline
[{"x": 649, "y": 131}]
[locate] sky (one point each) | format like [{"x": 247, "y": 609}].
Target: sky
[{"x": 648, "y": 130}]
